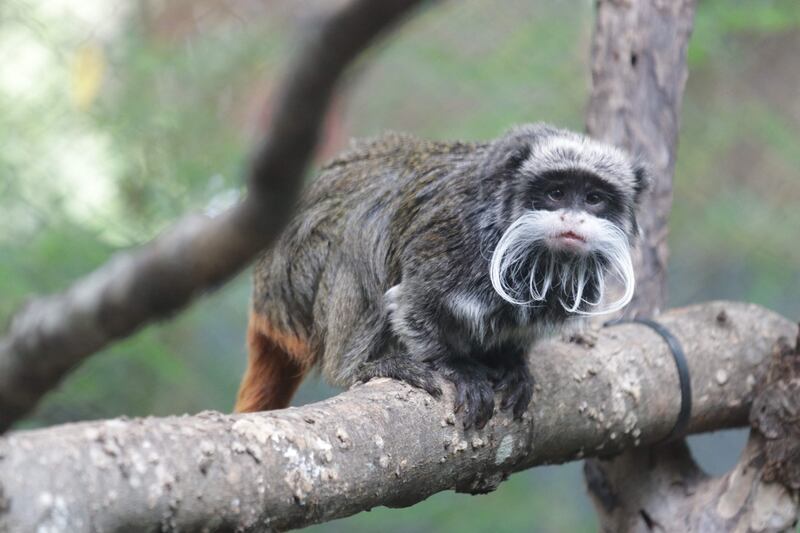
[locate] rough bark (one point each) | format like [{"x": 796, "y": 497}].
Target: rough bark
[
  {"x": 597, "y": 393},
  {"x": 639, "y": 72},
  {"x": 638, "y": 75},
  {"x": 662, "y": 489},
  {"x": 52, "y": 335}
]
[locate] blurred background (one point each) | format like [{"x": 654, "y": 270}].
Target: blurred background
[{"x": 118, "y": 117}]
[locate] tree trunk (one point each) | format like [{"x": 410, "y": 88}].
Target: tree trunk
[{"x": 639, "y": 72}]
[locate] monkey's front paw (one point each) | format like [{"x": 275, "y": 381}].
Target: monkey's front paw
[
  {"x": 476, "y": 398},
  {"x": 416, "y": 373},
  {"x": 474, "y": 393},
  {"x": 515, "y": 383}
]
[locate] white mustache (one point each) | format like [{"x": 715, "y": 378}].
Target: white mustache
[{"x": 524, "y": 243}]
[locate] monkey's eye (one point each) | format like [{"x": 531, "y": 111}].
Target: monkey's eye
[
  {"x": 593, "y": 198},
  {"x": 555, "y": 194}
]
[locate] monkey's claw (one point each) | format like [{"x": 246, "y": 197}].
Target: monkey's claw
[
  {"x": 515, "y": 383},
  {"x": 474, "y": 393},
  {"x": 476, "y": 399}
]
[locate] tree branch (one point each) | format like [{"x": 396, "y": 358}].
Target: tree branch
[
  {"x": 597, "y": 393},
  {"x": 52, "y": 335}
]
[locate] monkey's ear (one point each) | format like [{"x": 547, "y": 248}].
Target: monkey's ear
[
  {"x": 642, "y": 179},
  {"x": 502, "y": 162},
  {"x": 507, "y": 153},
  {"x": 515, "y": 156}
]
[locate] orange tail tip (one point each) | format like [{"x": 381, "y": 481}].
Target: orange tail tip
[{"x": 276, "y": 364}]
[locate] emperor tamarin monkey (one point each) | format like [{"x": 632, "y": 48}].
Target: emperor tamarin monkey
[{"x": 409, "y": 258}]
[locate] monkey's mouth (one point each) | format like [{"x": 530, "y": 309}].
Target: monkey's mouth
[{"x": 571, "y": 236}]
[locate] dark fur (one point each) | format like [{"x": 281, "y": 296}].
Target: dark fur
[{"x": 423, "y": 216}]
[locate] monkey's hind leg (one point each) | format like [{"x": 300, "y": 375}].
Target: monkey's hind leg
[
  {"x": 276, "y": 364},
  {"x": 401, "y": 367}
]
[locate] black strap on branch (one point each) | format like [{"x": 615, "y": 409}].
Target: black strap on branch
[{"x": 684, "y": 379}]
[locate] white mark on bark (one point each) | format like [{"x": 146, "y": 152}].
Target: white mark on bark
[
  {"x": 459, "y": 445},
  {"x": 300, "y": 473},
  {"x": 721, "y": 376},
  {"x": 504, "y": 450},
  {"x": 207, "y": 450},
  {"x": 774, "y": 508},
  {"x": 731, "y": 502},
  {"x": 55, "y": 515},
  {"x": 303, "y": 468},
  {"x": 631, "y": 387},
  {"x": 327, "y": 456},
  {"x": 255, "y": 452},
  {"x": 402, "y": 466},
  {"x": 250, "y": 429},
  {"x": 164, "y": 480},
  {"x": 630, "y": 422},
  {"x": 344, "y": 439}
]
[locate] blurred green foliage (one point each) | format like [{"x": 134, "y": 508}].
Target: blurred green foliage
[{"x": 118, "y": 117}]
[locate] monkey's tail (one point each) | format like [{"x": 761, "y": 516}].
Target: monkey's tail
[{"x": 276, "y": 364}]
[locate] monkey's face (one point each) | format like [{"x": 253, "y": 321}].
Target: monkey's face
[
  {"x": 567, "y": 218},
  {"x": 574, "y": 231},
  {"x": 580, "y": 206}
]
